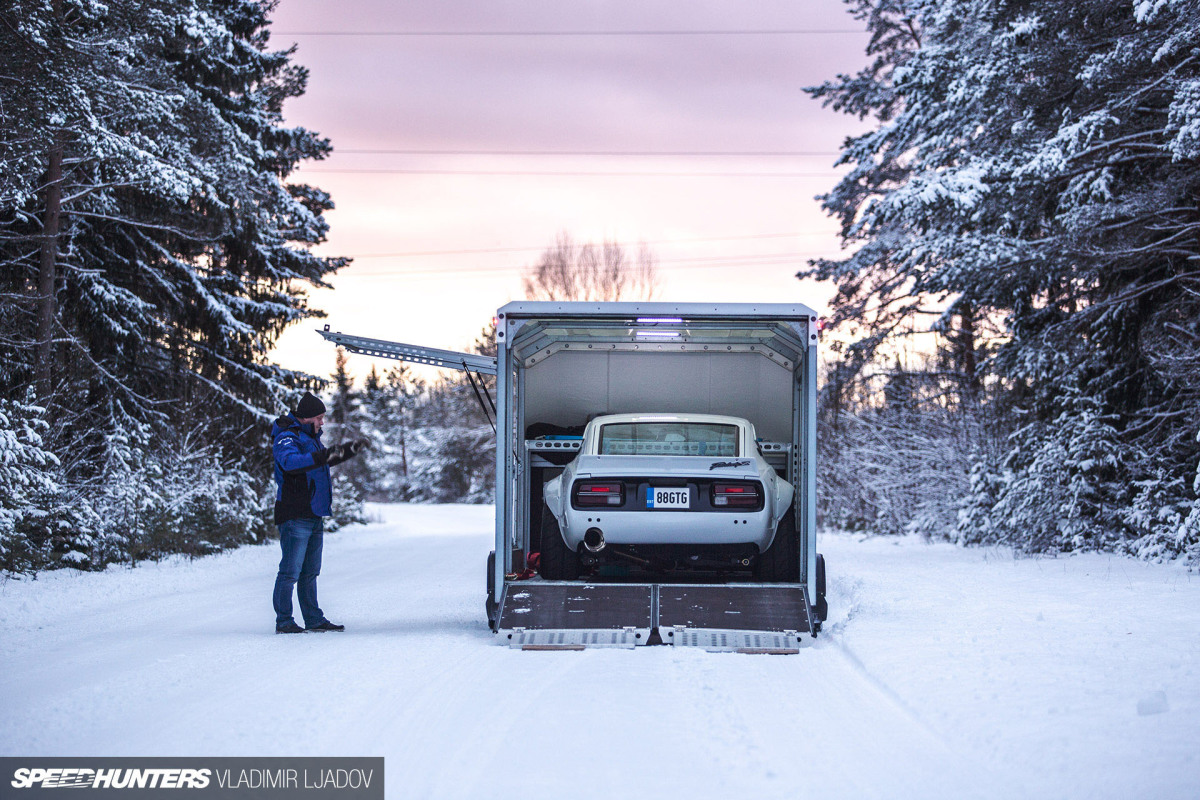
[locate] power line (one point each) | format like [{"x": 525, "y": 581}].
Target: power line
[
  {"x": 714, "y": 32},
  {"x": 539, "y": 248},
  {"x": 431, "y": 273},
  {"x": 764, "y": 259},
  {"x": 531, "y": 173},
  {"x": 686, "y": 259},
  {"x": 689, "y": 153}
]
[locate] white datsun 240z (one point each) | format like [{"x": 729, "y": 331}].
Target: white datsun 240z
[{"x": 668, "y": 492}]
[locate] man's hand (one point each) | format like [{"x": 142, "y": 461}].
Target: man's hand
[{"x": 345, "y": 451}]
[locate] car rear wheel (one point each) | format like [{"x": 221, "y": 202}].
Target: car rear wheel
[
  {"x": 558, "y": 562},
  {"x": 781, "y": 562}
]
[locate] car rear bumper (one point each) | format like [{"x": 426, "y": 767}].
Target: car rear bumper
[{"x": 670, "y": 527}]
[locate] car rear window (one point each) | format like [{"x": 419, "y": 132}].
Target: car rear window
[{"x": 668, "y": 439}]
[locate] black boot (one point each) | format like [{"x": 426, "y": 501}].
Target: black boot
[
  {"x": 289, "y": 627},
  {"x": 326, "y": 625}
]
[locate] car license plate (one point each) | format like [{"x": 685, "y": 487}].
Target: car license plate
[{"x": 667, "y": 498}]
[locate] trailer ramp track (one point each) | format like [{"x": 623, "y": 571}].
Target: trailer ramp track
[{"x": 570, "y": 615}]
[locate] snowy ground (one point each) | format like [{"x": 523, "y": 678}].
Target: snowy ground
[{"x": 945, "y": 673}]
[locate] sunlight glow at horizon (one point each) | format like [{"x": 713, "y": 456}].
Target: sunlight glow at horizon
[{"x": 607, "y": 95}]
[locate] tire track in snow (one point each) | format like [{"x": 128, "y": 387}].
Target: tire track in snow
[
  {"x": 835, "y": 641},
  {"x": 868, "y": 745},
  {"x": 845, "y": 595},
  {"x": 733, "y": 743}
]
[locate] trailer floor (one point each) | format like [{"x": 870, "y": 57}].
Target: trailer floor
[{"x": 942, "y": 673}]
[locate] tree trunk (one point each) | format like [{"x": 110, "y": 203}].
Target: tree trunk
[
  {"x": 403, "y": 451},
  {"x": 47, "y": 273},
  {"x": 970, "y": 367}
]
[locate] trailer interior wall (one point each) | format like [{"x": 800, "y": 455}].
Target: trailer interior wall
[{"x": 569, "y": 388}]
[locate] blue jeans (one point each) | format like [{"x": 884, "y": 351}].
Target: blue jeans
[{"x": 301, "y": 541}]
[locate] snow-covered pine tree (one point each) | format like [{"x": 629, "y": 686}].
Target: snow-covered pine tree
[
  {"x": 28, "y": 483},
  {"x": 388, "y": 402},
  {"x": 150, "y": 133},
  {"x": 453, "y": 450},
  {"x": 177, "y": 260},
  {"x": 1038, "y": 164},
  {"x": 345, "y": 422},
  {"x": 345, "y": 402},
  {"x": 371, "y": 399}
]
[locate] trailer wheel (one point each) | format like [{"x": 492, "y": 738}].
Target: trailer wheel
[
  {"x": 491, "y": 573},
  {"x": 558, "y": 562},
  {"x": 490, "y": 605},
  {"x": 781, "y": 562},
  {"x": 822, "y": 608}
]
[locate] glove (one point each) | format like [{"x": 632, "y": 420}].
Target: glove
[{"x": 345, "y": 451}]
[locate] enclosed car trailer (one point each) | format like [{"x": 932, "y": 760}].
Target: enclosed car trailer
[{"x": 560, "y": 364}]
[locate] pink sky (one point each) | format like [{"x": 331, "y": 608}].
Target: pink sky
[{"x": 734, "y": 238}]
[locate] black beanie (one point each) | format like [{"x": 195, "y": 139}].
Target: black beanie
[{"x": 309, "y": 406}]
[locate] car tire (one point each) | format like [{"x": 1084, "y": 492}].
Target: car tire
[
  {"x": 781, "y": 562},
  {"x": 558, "y": 562}
]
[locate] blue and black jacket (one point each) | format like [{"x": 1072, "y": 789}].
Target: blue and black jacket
[{"x": 304, "y": 489}]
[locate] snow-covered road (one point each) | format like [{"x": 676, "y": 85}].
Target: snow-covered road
[{"x": 944, "y": 673}]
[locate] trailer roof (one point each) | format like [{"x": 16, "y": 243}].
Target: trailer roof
[{"x": 529, "y": 308}]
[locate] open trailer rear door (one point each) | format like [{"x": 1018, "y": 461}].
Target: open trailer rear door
[{"x": 416, "y": 354}]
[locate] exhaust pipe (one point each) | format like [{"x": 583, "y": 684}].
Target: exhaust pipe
[{"x": 593, "y": 540}]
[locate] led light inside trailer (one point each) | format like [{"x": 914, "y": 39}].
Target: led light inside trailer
[{"x": 659, "y": 334}]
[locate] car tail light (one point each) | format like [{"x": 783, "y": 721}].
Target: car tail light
[
  {"x": 599, "y": 494},
  {"x": 735, "y": 494}
]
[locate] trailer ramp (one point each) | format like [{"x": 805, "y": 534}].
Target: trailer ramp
[
  {"x": 749, "y": 618},
  {"x": 568, "y": 615}
]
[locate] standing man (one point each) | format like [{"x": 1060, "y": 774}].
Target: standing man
[{"x": 303, "y": 499}]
